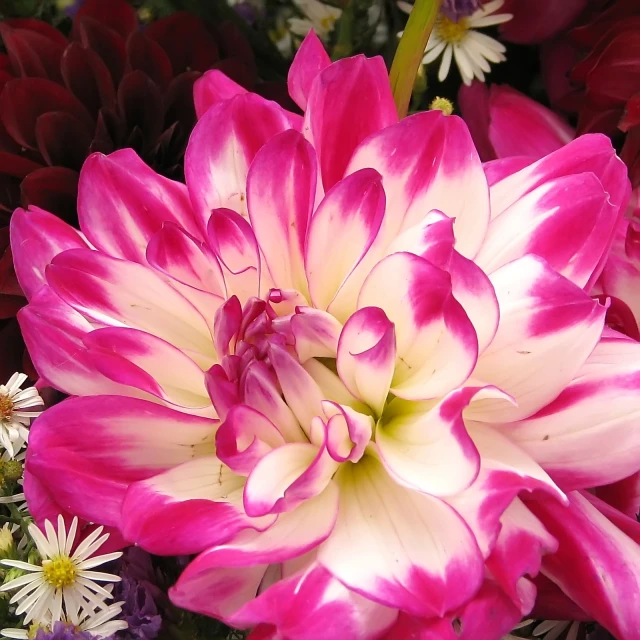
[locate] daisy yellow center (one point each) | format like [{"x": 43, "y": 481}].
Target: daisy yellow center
[
  {"x": 450, "y": 31},
  {"x": 59, "y": 571},
  {"x": 6, "y": 407},
  {"x": 328, "y": 23}
]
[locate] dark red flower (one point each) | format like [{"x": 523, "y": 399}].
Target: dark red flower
[
  {"x": 605, "y": 83},
  {"x": 112, "y": 85}
]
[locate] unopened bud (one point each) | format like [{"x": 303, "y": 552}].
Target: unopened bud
[{"x": 7, "y": 545}]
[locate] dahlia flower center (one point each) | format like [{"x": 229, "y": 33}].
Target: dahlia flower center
[
  {"x": 59, "y": 572},
  {"x": 450, "y": 31}
]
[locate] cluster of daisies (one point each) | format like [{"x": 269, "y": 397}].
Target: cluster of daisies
[{"x": 50, "y": 574}]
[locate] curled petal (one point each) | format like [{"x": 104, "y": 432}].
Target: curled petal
[
  {"x": 367, "y": 355},
  {"x": 245, "y": 437},
  {"x": 316, "y": 333},
  {"x": 214, "y": 87},
  {"x": 348, "y": 431},
  {"x": 435, "y": 340},
  {"x": 425, "y": 446}
]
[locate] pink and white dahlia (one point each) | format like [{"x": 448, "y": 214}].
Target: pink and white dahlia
[{"x": 357, "y": 376}]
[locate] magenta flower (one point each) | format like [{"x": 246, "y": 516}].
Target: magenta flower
[
  {"x": 504, "y": 122},
  {"x": 366, "y": 387}
]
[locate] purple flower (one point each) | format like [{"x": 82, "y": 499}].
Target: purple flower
[
  {"x": 140, "y": 596},
  {"x": 456, "y": 9},
  {"x": 62, "y": 631}
]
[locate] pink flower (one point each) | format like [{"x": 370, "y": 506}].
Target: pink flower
[
  {"x": 503, "y": 122},
  {"x": 337, "y": 363}
]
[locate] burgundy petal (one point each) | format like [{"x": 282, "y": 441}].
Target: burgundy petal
[
  {"x": 146, "y": 55},
  {"x": 31, "y": 53},
  {"x": 53, "y": 189},
  {"x": 62, "y": 139},
  {"x": 108, "y": 44},
  {"x": 140, "y": 103},
  {"x": 87, "y": 77},
  {"x": 24, "y": 100},
  {"x": 118, "y": 15},
  {"x": 186, "y": 41}
]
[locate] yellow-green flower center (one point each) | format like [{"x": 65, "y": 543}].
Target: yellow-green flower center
[
  {"x": 59, "y": 572},
  {"x": 451, "y": 31},
  {"x": 6, "y": 407}
]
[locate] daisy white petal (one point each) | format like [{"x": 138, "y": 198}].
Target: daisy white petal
[{"x": 445, "y": 65}]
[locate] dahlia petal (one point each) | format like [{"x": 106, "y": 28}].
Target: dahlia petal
[
  {"x": 245, "y": 437},
  {"x": 595, "y": 414},
  {"x": 490, "y": 614},
  {"x": 519, "y": 548},
  {"x": 201, "y": 497},
  {"x": 566, "y": 221},
  {"x": 214, "y": 87},
  {"x": 281, "y": 189},
  {"x": 356, "y": 206},
  {"x": 122, "y": 203},
  {"x": 348, "y": 432},
  {"x": 312, "y": 605},
  {"x": 36, "y": 237},
  {"x": 118, "y": 352},
  {"x": 596, "y": 564},
  {"x": 143, "y": 54},
  {"x": 222, "y": 146},
  {"x": 435, "y": 340},
  {"x": 378, "y": 548},
  {"x": 53, "y": 332},
  {"x": 316, "y": 333},
  {"x": 119, "y": 15},
  {"x": 53, "y": 189},
  {"x": 496, "y": 170},
  {"x": 262, "y": 392},
  {"x": 623, "y": 495},
  {"x": 433, "y": 239},
  {"x": 119, "y": 293},
  {"x": 588, "y": 153},
  {"x": 439, "y": 169},
  {"x": 548, "y": 327},
  {"x": 88, "y": 443},
  {"x": 234, "y": 244},
  {"x": 505, "y": 471},
  {"x": 300, "y": 390},
  {"x": 174, "y": 252},
  {"x": 366, "y": 356},
  {"x": 348, "y": 101},
  {"x": 286, "y": 477},
  {"x": 310, "y": 59},
  {"x": 425, "y": 446}
]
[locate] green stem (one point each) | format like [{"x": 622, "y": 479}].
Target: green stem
[
  {"x": 344, "y": 44},
  {"x": 410, "y": 51},
  {"x": 24, "y": 525}
]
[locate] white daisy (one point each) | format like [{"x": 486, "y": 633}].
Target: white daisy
[
  {"x": 98, "y": 622},
  {"x": 14, "y": 420},
  {"x": 62, "y": 587},
  {"x": 472, "y": 50},
  {"x": 320, "y": 17}
]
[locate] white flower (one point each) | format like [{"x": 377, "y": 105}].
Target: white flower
[
  {"x": 63, "y": 588},
  {"x": 320, "y": 17},
  {"x": 98, "y": 622},
  {"x": 553, "y": 629},
  {"x": 14, "y": 420},
  {"x": 472, "y": 50}
]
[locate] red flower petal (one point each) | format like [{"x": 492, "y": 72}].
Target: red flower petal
[{"x": 53, "y": 189}]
